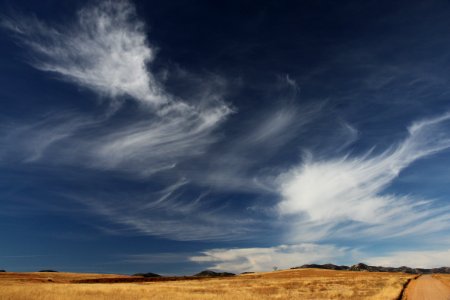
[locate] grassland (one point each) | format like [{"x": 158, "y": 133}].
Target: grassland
[
  {"x": 444, "y": 278},
  {"x": 288, "y": 284}
]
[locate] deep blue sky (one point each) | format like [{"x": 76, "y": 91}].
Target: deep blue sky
[{"x": 142, "y": 136}]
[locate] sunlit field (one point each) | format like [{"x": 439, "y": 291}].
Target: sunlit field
[
  {"x": 445, "y": 278},
  {"x": 289, "y": 284}
]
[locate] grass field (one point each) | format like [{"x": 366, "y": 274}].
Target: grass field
[
  {"x": 288, "y": 284},
  {"x": 445, "y": 278}
]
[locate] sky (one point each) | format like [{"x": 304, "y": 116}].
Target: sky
[{"x": 177, "y": 136}]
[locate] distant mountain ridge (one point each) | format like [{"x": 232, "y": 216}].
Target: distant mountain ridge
[
  {"x": 147, "y": 275},
  {"x": 366, "y": 268},
  {"x": 209, "y": 273}
]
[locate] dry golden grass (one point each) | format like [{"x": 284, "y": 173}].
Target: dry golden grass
[
  {"x": 57, "y": 277},
  {"x": 289, "y": 284},
  {"x": 445, "y": 278}
]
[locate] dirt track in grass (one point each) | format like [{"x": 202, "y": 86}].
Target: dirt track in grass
[{"x": 427, "y": 287}]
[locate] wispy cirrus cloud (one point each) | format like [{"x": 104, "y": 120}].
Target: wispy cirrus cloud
[
  {"x": 106, "y": 50},
  {"x": 345, "y": 200},
  {"x": 346, "y": 196},
  {"x": 172, "y": 212},
  {"x": 29, "y": 141},
  {"x": 236, "y": 167},
  {"x": 268, "y": 131}
]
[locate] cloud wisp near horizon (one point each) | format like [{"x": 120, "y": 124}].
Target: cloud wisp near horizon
[{"x": 263, "y": 173}]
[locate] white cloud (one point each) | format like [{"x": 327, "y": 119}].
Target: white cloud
[
  {"x": 236, "y": 167},
  {"x": 264, "y": 259},
  {"x": 105, "y": 50},
  {"x": 167, "y": 213},
  {"x": 30, "y": 141},
  {"x": 146, "y": 146},
  {"x": 415, "y": 259},
  {"x": 345, "y": 197},
  {"x": 246, "y": 161}
]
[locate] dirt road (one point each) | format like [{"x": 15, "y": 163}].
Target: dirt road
[{"x": 427, "y": 287}]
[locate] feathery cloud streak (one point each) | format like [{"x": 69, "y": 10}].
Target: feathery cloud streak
[
  {"x": 338, "y": 197},
  {"x": 173, "y": 212},
  {"x": 106, "y": 51},
  {"x": 345, "y": 199}
]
